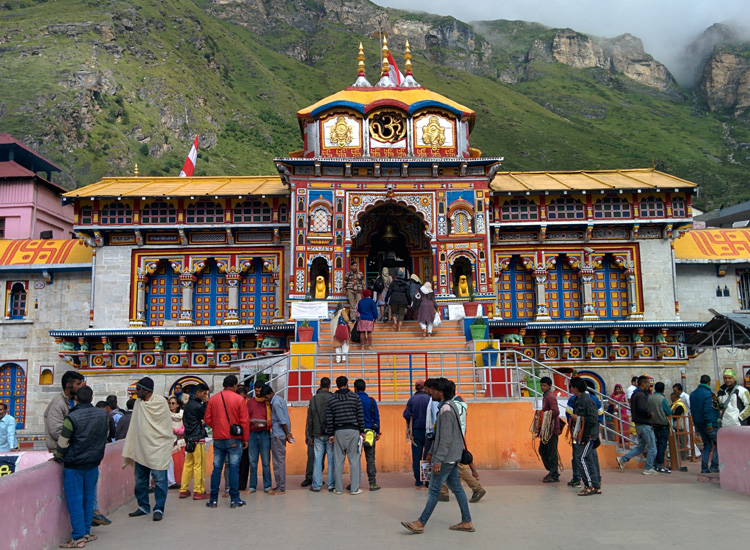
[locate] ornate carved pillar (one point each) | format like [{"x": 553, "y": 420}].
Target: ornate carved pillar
[
  {"x": 633, "y": 313},
  {"x": 586, "y": 276},
  {"x": 140, "y": 300},
  {"x": 187, "y": 280},
  {"x": 540, "y": 280},
  {"x": 233, "y": 298}
]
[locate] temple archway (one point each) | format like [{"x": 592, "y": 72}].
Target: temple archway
[{"x": 392, "y": 236}]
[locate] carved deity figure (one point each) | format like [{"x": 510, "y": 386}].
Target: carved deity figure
[
  {"x": 320, "y": 288},
  {"x": 463, "y": 286},
  {"x": 341, "y": 132},
  {"x": 433, "y": 134}
]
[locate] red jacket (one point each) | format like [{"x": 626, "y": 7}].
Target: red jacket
[
  {"x": 236, "y": 410},
  {"x": 549, "y": 403}
]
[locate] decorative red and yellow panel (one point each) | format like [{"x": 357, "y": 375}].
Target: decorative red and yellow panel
[
  {"x": 341, "y": 136},
  {"x": 434, "y": 135}
]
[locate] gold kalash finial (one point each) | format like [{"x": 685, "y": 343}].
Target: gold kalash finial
[
  {"x": 361, "y": 59},
  {"x": 386, "y": 69},
  {"x": 361, "y": 81},
  {"x": 135, "y": 170},
  {"x": 407, "y": 57}
]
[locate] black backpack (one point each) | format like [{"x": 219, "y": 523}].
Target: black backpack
[{"x": 378, "y": 285}]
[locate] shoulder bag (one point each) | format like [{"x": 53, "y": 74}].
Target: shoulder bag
[
  {"x": 466, "y": 457},
  {"x": 234, "y": 429}
]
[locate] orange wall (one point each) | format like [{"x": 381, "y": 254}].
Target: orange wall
[{"x": 497, "y": 435}]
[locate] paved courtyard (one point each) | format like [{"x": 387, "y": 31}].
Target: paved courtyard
[{"x": 519, "y": 512}]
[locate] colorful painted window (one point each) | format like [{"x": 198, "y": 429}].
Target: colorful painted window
[
  {"x": 610, "y": 291},
  {"x": 283, "y": 213},
  {"x": 86, "y": 215},
  {"x": 612, "y": 208},
  {"x": 163, "y": 297},
  {"x": 652, "y": 207},
  {"x": 320, "y": 220},
  {"x": 516, "y": 292},
  {"x": 679, "y": 207},
  {"x": 566, "y": 208},
  {"x": 13, "y": 392},
  {"x": 563, "y": 292},
  {"x": 743, "y": 288},
  {"x": 17, "y": 300},
  {"x": 211, "y": 297},
  {"x": 460, "y": 222},
  {"x": 116, "y": 213},
  {"x": 257, "y": 296},
  {"x": 519, "y": 210},
  {"x": 253, "y": 211},
  {"x": 204, "y": 212},
  {"x": 158, "y": 212}
]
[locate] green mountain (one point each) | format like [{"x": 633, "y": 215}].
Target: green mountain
[{"x": 100, "y": 85}]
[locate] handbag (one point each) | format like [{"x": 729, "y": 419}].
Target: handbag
[
  {"x": 466, "y": 457},
  {"x": 190, "y": 446},
  {"x": 234, "y": 429},
  {"x": 370, "y": 433},
  {"x": 354, "y": 335},
  {"x": 437, "y": 321}
]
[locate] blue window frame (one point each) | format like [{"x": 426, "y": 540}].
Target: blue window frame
[
  {"x": 164, "y": 297},
  {"x": 13, "y": 391},
  {"x": 516, "y": 292},
  {"x": 610, "y": 291},
  {"x": 257, "y": 296},
  {"x": 563, "y": 291}
]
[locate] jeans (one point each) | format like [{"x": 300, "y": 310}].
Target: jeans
[
  {"x": 370, "y": 462},
  {"x": 464, "y": 474},
  {"x": 259, "y": 446},
  {"x": 646, "y": 439},
  {"x": 80, "y": 489},
  {"x": 709, "y": 443},
  {"x": 310, "y": 462},
  {"x": 661, "y": 433},
  {"x": 142, "y": 475},
  {"x": 417, "y": 453},
  {"x": 231, "y": 448},
  {"x": 448, "y": 474},
  {"x": 244, "y": 469},
  {"x": 322, "y": 449}
]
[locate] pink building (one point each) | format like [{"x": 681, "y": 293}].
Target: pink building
[{"x": 30, "y": 205}]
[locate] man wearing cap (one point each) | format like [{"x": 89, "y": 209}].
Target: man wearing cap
[
  {"x": 148, "y": 447},
  {"x": 734, "y": 401},
  {"x": 415, "y": 414}
]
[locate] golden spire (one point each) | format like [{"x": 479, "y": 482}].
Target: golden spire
[
  {"x": 386, "y": 68},
  {"x": 361, "y": 59},
  {"x": 135, "y": 171},
  {"x": 407, "y": 57}
]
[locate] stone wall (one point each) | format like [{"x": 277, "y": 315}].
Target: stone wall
[
  {"x": 62, "y": 304},
  {"x": 112, "y": 287},
  {"x": 656, "y": 280}
]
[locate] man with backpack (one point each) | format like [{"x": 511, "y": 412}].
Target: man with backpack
[
  {"x": 371, "y": 416},
  {"x": 707, "y": 423}
]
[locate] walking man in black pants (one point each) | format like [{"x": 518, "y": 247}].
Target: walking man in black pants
[{"x": 548, "y": 447}]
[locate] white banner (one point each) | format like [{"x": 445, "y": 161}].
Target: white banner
[{"x": 309, "y": 310}]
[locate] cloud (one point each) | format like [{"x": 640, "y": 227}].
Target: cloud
[{"x": 666, "y": 27}]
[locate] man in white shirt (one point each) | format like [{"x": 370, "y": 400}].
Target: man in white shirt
[
  {"x": 631, "y": 388},
  {"x": 7, "y": 430},
  {"x": 684, "y": 397}
]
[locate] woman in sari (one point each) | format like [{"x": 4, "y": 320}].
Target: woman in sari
[
  {"x": 618, "y": 408},
  {"x": 340, "y": 332}
]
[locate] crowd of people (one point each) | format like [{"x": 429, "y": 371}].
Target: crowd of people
[
  {"x": 388, "y": 299},
  {"x": 165, "y": 436}
]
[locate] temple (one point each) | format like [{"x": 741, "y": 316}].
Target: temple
[{"x": 190, "y": 276}]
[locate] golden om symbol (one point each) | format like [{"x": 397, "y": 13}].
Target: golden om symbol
[
  {"x": 341, "y": 132},
  {"x": 5, "y": 470},
  {"x": 388, "y": 127},
  {"x": 433, "y": 134}
]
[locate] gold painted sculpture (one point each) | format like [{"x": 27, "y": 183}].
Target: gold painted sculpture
[
  {"x": 463, "y": 286},
  {"x": 341, "y": 132},
  {"x": 433, "y": 134},
  {"x": 320, "y": 287}
]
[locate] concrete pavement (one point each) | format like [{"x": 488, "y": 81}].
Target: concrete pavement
[{"x": 518, "y": 512}]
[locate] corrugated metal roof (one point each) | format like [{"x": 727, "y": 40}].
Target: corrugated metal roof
[
  {"x": 11, "y": 169},
  {"x": 596, "y": 180},
  {"x": 182, "y": 187},
  {"x": 707, "y": 245}
]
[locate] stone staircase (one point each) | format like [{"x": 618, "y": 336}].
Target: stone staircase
[{"x": 404, "y": 357}]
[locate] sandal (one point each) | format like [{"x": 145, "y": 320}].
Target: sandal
[
  {"x": 587, "y": 491},
  {"x": 462, "y": 527},
  {"x": 597, "y": 491},
  {"x": 80, "y": 543},
  {"x": 410, "y": 525},
  {"x": 89, "y": 537}
]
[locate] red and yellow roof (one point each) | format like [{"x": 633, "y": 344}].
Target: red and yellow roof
[{"x": 44, "y": 252}]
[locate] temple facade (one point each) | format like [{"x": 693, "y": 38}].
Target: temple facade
[{"x": 575, "y": 270}]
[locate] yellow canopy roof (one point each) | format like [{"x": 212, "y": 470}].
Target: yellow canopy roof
[
  {"x": 596, "y": 180},
  {"x": 713, "y": 245},
  {"x": 44, "y": 252},
  {"x": 363, "y": 100},
  {"x": 182, "y": 187}
]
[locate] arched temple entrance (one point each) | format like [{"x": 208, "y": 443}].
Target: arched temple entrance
[{"x": 393, "y": 236}]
